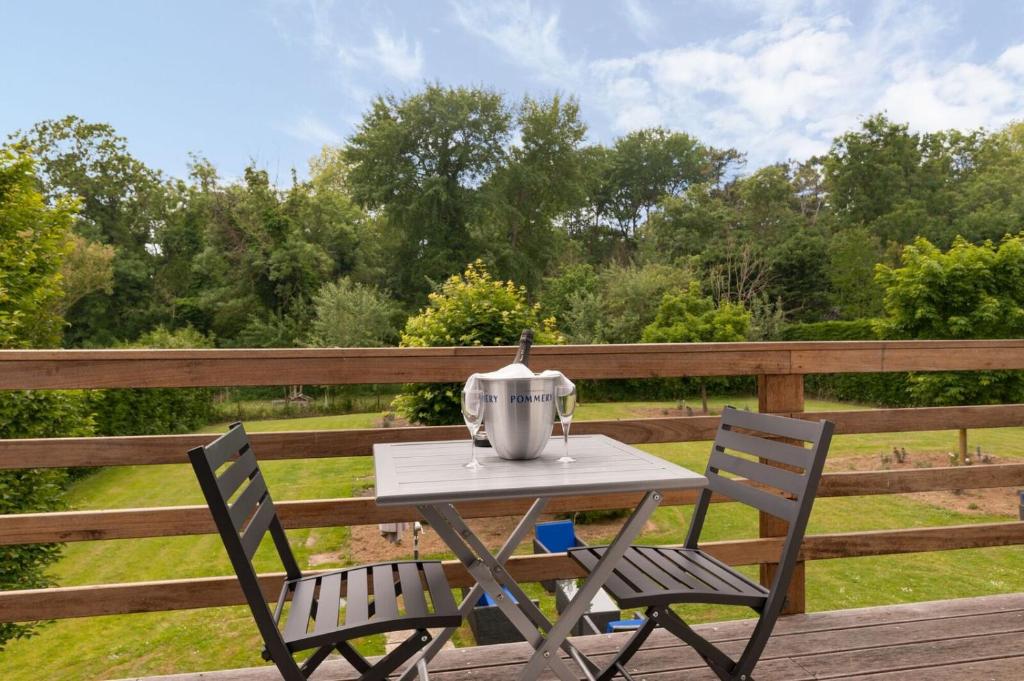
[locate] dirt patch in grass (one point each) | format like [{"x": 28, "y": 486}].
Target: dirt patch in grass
[
  {"x": 662, "y": 412},
  {"x": 367, "y": 544},
  {"x": 991, "y": 501}
]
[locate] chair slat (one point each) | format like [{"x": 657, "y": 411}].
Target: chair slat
[
  {"x": 229, "y": 482},
  {"x": 356, "y": 597},
  {"x": 797, "y": 429},
  {"x": 226, "y": 446},
  {"x": 742, "y": 582},
  {"x": 780, "y": 478},
  {"x": 384, "y": 602},
  {"x": 412, "y": 590},
  {"x": 328, "y": 603},
  {"x": 655, "y": 571},
  {"x": 778, "y": 506},
  {"x": 302, "y": 605},
  {"x": 712, "y": 578},
  {"x": 588, "y": 559},
  {"x": 635, "y": 576},
  {"x": 440, "y": 592},
  {"x": 655, "y": 556},
  {"x": 246, "y": 502},
  {"x": 257, "y": 528},
  {"x": 767, "y": 449}
]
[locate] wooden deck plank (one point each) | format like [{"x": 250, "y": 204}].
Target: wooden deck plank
[{"x": 973, "y": 638}]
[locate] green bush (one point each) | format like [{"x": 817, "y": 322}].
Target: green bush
[
  {"x": 155, "y": 411},
  {"x": 883, "y": 389},
  {"x": 471, "y": 309},
  {"x": 24, "y": 414}
]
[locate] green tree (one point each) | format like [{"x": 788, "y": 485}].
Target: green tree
[
  {"x": 799, "y": 275},
  {"x": 852, "y": 256},
  {"x": 265, "y": 254},
  {"x": 541, "y": 180},
  {"x": 897, "y": 183},
  {"x": 630, "y": 297},
  {"x": 421, "y": 161},
  {"x": 969, "y": 291},
  {"x": 353, "y": 315},
  {"x": 471, "y": 309},
  {"x": 122, "y": 203},
  {"x": 34, "y": 239},
  {"x": 687, "y": 316}
]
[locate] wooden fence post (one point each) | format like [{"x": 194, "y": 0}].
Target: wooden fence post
[{"x": 782, "y": 394}]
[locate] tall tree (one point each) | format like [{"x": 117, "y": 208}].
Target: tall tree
[
  {"x": 420, "y": 162},
  {"x": 541, "y": 179},
  {"x": 121, "y": 205},
  {"x": 34, "y": 239}
]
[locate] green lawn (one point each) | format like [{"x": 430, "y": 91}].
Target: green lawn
[{"x": 156, "y": 643}]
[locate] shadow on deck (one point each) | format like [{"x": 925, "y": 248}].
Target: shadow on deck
[{"x": 971, "y": 639}]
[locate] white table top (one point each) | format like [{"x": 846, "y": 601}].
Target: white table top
[{"x": 431, "y": 472}]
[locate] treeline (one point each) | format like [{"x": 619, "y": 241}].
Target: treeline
[{"x": 438, "y": 179}]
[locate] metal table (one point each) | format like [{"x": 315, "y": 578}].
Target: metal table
[{"x": 432, "y": 476}]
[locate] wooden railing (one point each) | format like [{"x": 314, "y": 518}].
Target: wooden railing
[{"x": 779, "y": 367}]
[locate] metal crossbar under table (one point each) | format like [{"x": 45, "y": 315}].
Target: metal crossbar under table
[{"x": 432, "y": 476}]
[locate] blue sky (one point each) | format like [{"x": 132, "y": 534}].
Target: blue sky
[{"x": 273, "y": 80}]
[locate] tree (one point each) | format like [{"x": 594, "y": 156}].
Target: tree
[
  {"x": 799, "y": 275},
  {"x": 969, "y": 291},
  {"x": 87, "y": 268},
  {"x": 420, "y": 162},
  {"x": 353, "y": 315},
  {"x": 265, "y": 254},
  {"x": 853, "y": 254},
  {"x": 897, "y": 183},
  {"x": 630, "y": 298},
  {"x": 686, "y": 316},
  {"x": 541, "y": 180},
  {"x": 121, "y": 205},
  {"x": 34, "y": 239},
  {"x": 471, "y": 309}
]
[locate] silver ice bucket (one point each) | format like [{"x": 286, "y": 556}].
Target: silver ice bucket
[{"x": 519, "y": 414}]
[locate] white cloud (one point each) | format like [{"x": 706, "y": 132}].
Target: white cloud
[
  {"x": 527, "y": 36},
  {"x": 311, "y": 129},
  {"x": 397, "y": 56},
  {"x": 786, "y": 88},
  {"x": 642, "y": 20},
  {"x": 394, "y": 54},
  {"x": 1013, "y": 59}
]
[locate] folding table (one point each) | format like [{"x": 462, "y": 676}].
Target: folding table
[{"x": 432, "y": 477}]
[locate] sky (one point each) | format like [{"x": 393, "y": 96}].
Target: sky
[{"x": 271, "y": 81}]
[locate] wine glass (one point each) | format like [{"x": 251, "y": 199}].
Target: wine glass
[
  {"x": 473, "y": 415},
  {"x": 565, "y": 403}
]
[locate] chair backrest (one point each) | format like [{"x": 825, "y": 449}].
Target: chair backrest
[
  {"x": 243, "y": 512},
  {"x": 759, "y": 447}
]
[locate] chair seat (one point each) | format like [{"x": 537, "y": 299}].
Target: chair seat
[
  {"x": 371, "y": 599},
  {"x": 657, "y": 575}
]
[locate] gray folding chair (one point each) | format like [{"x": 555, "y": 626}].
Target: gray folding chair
[
  {"x": 657, "y": 577},
  {"x": 244, "y": 513}
]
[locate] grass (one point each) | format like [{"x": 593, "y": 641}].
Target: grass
[{"x": 158, "y": 643}]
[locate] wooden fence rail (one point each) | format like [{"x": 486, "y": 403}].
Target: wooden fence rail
[{"x": 779, "y": 367}]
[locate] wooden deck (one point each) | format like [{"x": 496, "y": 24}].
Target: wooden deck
[{"x": 972, "y": 639}]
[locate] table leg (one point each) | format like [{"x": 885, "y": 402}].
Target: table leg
[
  {"x": 547, "y": 652},
  {"x": 496, "y": 565},
  {"x": 528, "y": 521},
  {"x": 458, "y": 540}
]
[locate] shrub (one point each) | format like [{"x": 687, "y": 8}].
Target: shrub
[
  {"x": 153, "y": 411},
  {"x": 471, "y": 309},
  {"x": 353, "y": 315}
]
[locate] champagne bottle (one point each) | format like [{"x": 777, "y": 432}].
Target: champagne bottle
[
  {"x": 522, "y": 357},
  {"x": 525, "y": 343}
]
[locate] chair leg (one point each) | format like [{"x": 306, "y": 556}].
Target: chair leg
[
  {"x": 314, "y": 661},
  {"x": 618, "y": 663},
  {"x": 720, "y": 663},
  {"x": 397, "y": 657},
  {"x": 355, "y": 659}
]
